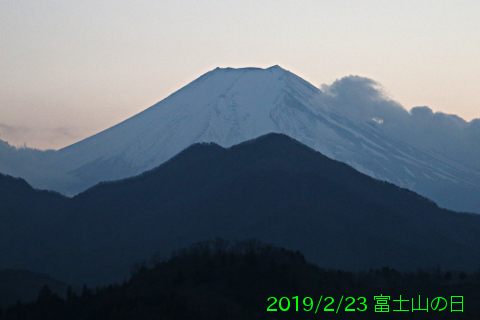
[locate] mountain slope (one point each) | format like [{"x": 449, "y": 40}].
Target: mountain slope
[
  {"x": 272, "y": 188},
  {"x": 24, "y": 213}
]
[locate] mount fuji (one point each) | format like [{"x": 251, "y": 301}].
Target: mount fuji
[{"x": 350, "y": 121}]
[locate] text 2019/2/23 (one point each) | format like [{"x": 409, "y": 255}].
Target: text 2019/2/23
[{"x": 381, "y": 303}]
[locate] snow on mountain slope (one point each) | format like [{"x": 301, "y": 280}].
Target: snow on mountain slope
[{"x": 229, "y": 106}]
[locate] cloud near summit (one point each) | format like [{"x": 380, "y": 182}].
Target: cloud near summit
[{"x": 364, "y": 100}]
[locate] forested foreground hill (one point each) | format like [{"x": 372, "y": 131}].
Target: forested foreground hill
[{"x": 225, "y": 280}]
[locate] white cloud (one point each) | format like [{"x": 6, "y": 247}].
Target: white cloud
[{"x": 364, "y": 100}]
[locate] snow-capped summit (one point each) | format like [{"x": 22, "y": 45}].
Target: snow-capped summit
[{"x": 228, "y": 106}]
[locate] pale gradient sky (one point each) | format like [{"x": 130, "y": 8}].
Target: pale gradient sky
[{"x": 69, "y": 69}]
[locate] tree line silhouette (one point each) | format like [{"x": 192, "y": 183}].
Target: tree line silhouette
[{"x": 222, "y": 279}]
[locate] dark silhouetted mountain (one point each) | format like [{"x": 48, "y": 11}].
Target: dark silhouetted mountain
[
  {"x": 272, "y": 188},
  {"x": 25, "y": 214}
]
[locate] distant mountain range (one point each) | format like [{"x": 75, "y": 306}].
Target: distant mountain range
[
  {"x": 433, "y": 154},
  {"x": 272, "y": 188}
]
